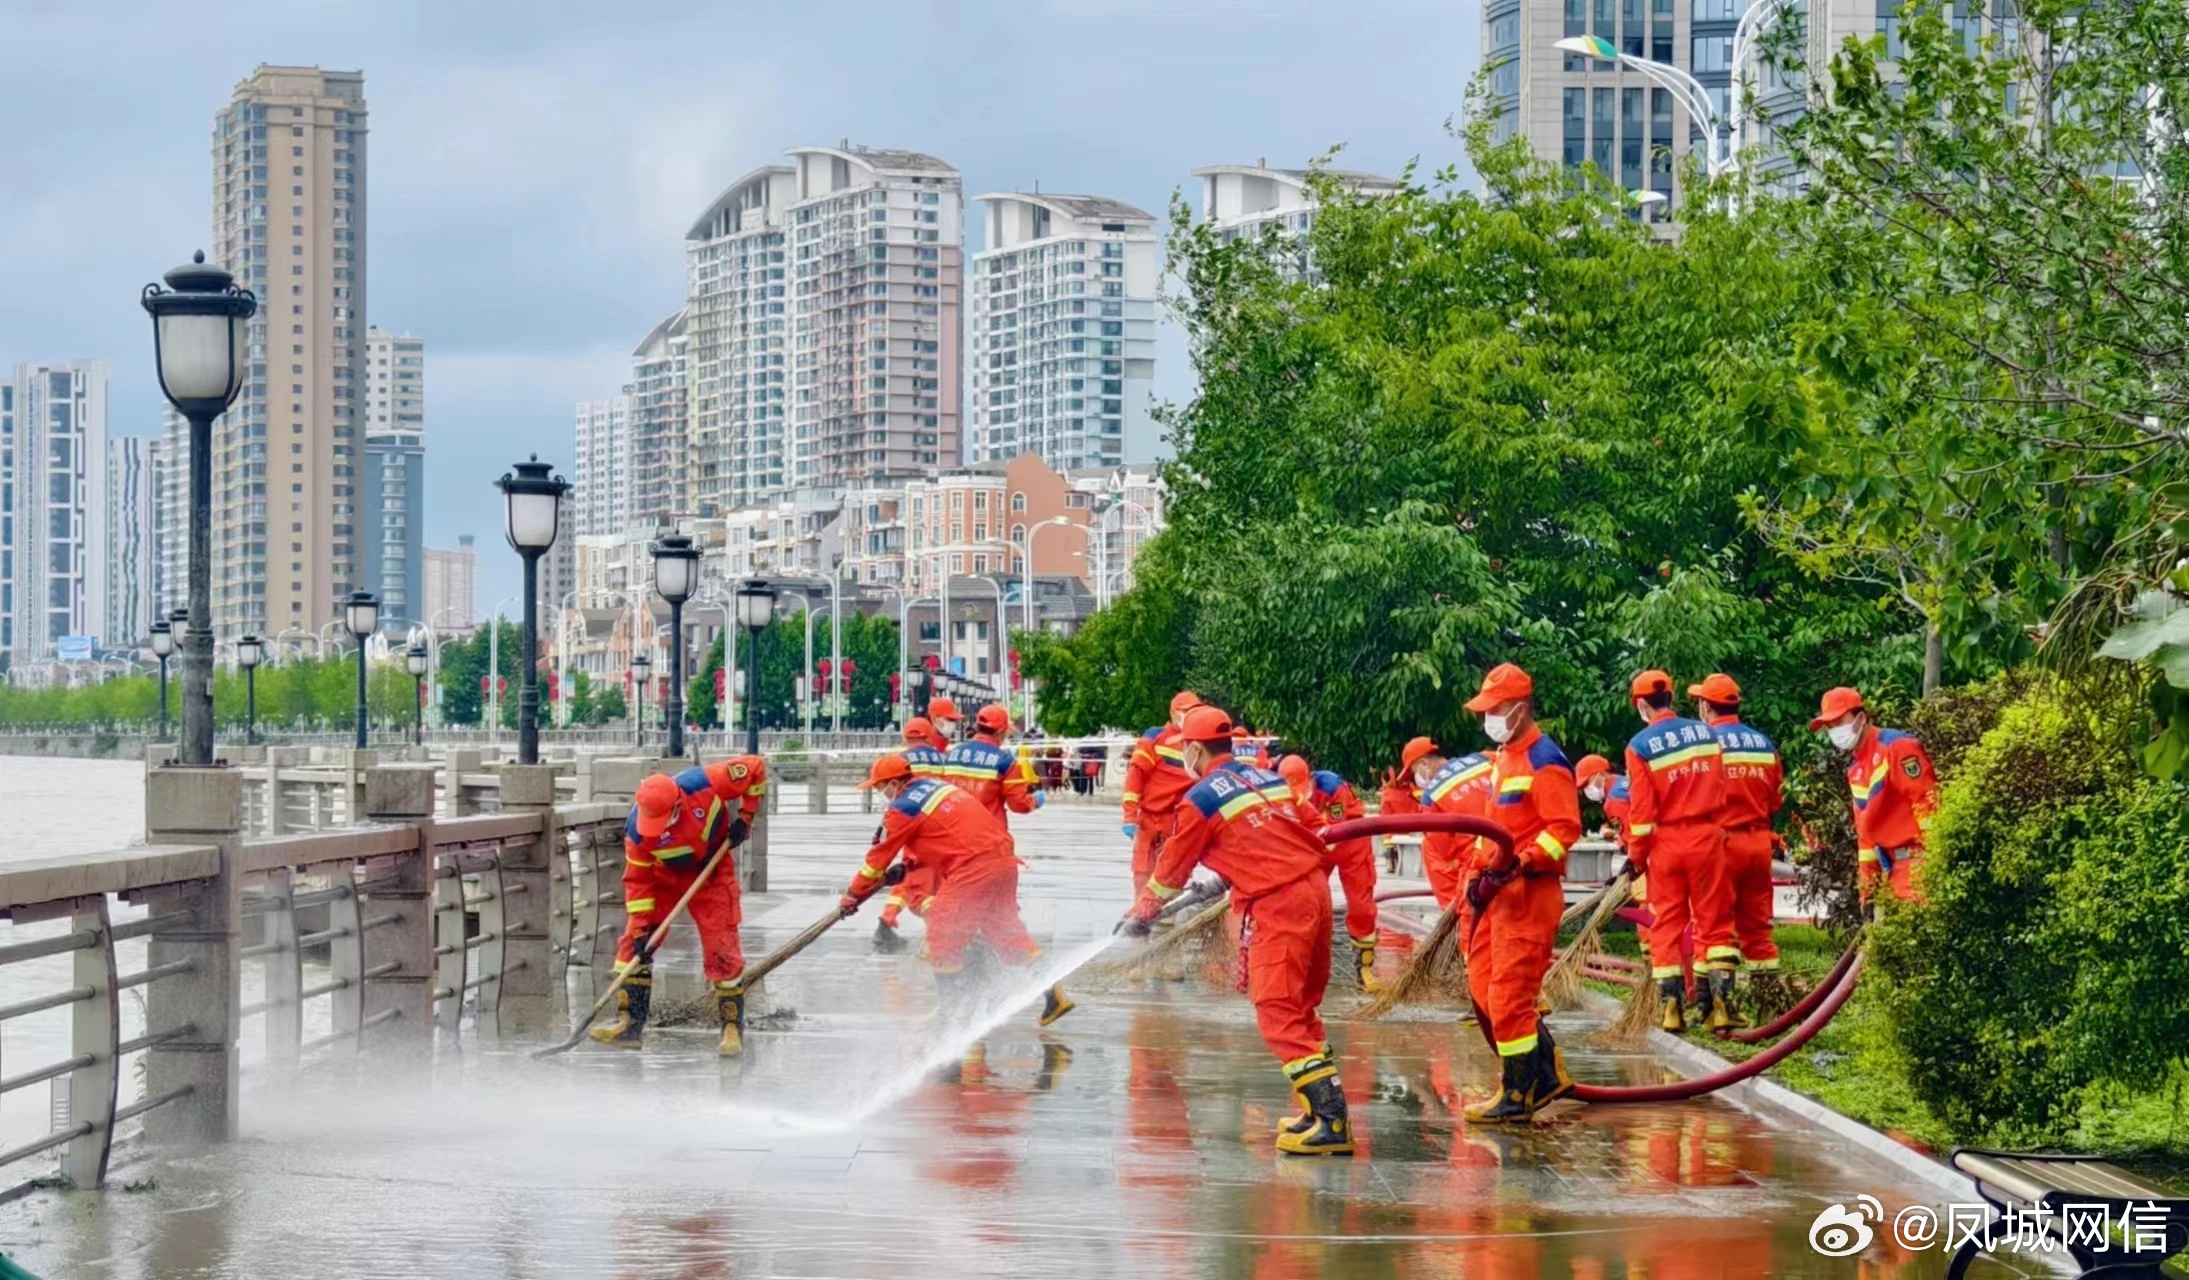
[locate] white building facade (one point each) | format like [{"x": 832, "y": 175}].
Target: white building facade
[
  {"x": 601, "y": 503},
  {"x": 1063, "y": 346},
  {"x": 53, "y": 420},
  {"x": 129, "y": 592}
]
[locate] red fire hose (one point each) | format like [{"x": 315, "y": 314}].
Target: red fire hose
[
  {"x": 1802, "y": 1007},
  {"x": 1406, "y": 824},
  {"x": 1682, "y": 1090}
]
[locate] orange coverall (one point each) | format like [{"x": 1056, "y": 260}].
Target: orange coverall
[
  {"x": 918, "y": 884},
  {"x": 1461, "y": 786},
  {"x": 1241, "y": 823},
  {"x": 1895, "y": 792},
  {"x": 1509, "y": 942},
  {"x": 657, "y": 872},
  {"x": 1755, "y": 790},
  {"x": 935, "y": 825},
  {"x": 1676, "y": 790},
  {"x": 1330, "y": 799},
  {"x": 1155, "y": 782},
  {"x": 992, "y": 774}
]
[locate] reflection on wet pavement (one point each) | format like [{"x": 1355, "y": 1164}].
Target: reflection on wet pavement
[{"x": 1132, "y": 1139}]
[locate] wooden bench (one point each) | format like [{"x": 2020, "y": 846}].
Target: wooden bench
[{"x": 2143, "y": 1224}]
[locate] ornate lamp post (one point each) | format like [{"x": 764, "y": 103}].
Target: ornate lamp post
[
  {"x": 533, "y": 498},
  {"x": 755, "y": 610},
  {"x": 417, "y": 658},
  {"x": 248, "y": 652},
  {"x": 200, "y": 347},
  {"x": 163, "y": 648},
  {"x": 676, "y": 576},
  {"x": 361, "y": 614},
  {"x": 641, "y": 669}
]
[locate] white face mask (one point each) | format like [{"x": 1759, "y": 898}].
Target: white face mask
[
  {"x": 1844, "y": 736},
  {"x": 1498, "y": 727},
  {"x": 947, "y": 728},
  {"x": 1196, "y": 761},
  {"x": 1595, "y": 792},
  {"x": 1422, "y": 774}
]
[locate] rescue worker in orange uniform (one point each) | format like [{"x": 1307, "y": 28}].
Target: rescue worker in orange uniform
[
  {"x": 1755, "y": 791},
  {"x": 1514, "y": 900},
  {"x": 926, "y": 758},
  {"x": 934, "y": 824},
  {"x": 1241, "y": 823},
  {"x": 1605, "y": 789},
  {"x": 1895, "y": 792},
  {"x": 943, "y": 715},
  {"x": 1155, "y": 782},
  {"x": 677, "y": 824},
  {"x": 990, "y": 772},
  {"x": 1323, "y": 798},
  {"x": 1457, "y": 785},
  {"x": 1676, "y": 788}
]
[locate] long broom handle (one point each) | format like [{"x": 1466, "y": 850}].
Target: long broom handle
[
  {"x": 653, "y": 940},
  {"x": 774, "y": 959}
]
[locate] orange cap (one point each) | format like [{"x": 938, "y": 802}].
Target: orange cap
[
  {"x": 1504, "y": 683},
  {"x": 1716, "y": 687},
  {"x": 918, "y": 729},
  {"x": 1415, "y": 750},
  {"x": 657, "y": 797},
  {"x": 1837, "y": 702},
  {"x": 993, "y": 718},
  {"x": 1293, "y": 769},
  {"x": 886, "y": 769},
  {"x": 1590, "y": 766},
  {"x": 1650, "y": 682},
  {"x": 1205, "y": 723},
  {"x": 942, "y": 709},
  {"x": 1184, "y": 700}
]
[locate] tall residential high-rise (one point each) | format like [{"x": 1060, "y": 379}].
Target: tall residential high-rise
[
  {"x": 7, "y": 522},
  {"x": 53, "y": 421},
  {"x": 168, "y": 463},
  {"x": 1063, "y": 346},
  {"x": 660, "y": 424},
  {"x": 451, "y": 585},
  {"x": 601, "y": 501},
  {"x": 824, "y": 323},
  {"x": 1245, "y": 200},
  {"x": 391, "y": 500},
  {"x": 289, "y": 165},
  {"x": 127, "y": 619}
]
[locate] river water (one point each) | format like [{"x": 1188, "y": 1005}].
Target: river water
[{"x": 1132, "y": 1139}]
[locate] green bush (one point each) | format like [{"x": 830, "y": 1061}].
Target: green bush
[{"x": 2053, "y": 945}]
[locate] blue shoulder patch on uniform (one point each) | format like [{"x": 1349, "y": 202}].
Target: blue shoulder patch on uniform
[
  {"x": 1673, "y": 733},
  {"x": 630, "y": 828},
  {"x": 692, "y": 781},
  {"x": 1326, "y": 782},
  {"x": 915, "y": 796},
  {"x": 1618, "y": 789},
  {"x": 1150, "y": 735},
  {"x": 1736, "y": 736},
  {"x": 1544, "y": 753},
  {"x": 1209, "y": 794},
  {"x": 1887, "y": 737}
]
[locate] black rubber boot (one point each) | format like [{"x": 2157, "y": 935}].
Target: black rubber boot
[
  {"x": 1548, "y": 1070},
  {"x": 1055, "y": 1004},
  {"x": 634, "y": 1001},
  {"x": 1671, "y": 1000},
  {"x": 1329, "y": 1131},
  {"x": 1305, "y": 1120},
  {"x": 886, "y": 938},
  {"x": 1512, "y": 1105},
  {"x": 1723, "y": 1017}
]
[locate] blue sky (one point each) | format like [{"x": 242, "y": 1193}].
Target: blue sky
[{"x": 534, "y": 164}]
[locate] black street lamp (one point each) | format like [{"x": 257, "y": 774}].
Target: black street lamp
[
  {"x": 200, "y": 346},
  {"x": 641, "y": 668},
  {"x": 361, "y": 613},
  {"x": 163, "y": 647},
  {"x": 533, "y": 498},
  {"x": 755, "y": 609},
  {"x": 415, "y": 658},
  {"x": 248, "y": 652},
  {"x": 676, "y": 576}
]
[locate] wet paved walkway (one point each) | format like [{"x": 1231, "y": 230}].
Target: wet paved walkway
[{"x": 1133, "y": 1139}]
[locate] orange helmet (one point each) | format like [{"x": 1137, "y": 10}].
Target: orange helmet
[
  {"x": 1649, "y": 684},
  {"x": 1183, "y": 701},
  {"x": 942, "y": 709},
  {"x": 1590, "y": 766},
  {"x": 1837, "y": 703},
  {"x": 657, "y": 800},
  {"x": 1205, "y": 723},
  {"x": 1504, "y": 683},
  {"x": 886, "y": 769},
  {"x": 1415, "y": 751},
  {"x": 1293, "y": 769},
  {"x": 918, "y": 729},
  {"x": 1717, "y": 687},
  {"x": 993, "y": 718}
]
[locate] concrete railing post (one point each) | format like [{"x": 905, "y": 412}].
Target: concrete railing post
[
  {"x": 817, "y": 784},
  {"x": 397, "y": 912},
  {"x": 461, "y": 803},
  {"x": 527, "y": 985},
  {"x": 354, "y": 765},
  {"x": 196, "y": 807}
]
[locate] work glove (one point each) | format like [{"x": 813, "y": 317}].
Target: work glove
[
  {"x": 1484, "y": 887},
  {"x": 1040, "y": 798},
  {"x": 739, "y": 829},
  {"x": 848, "y": 905},
  {"x": 896, "y": 873},
  {"x": 1631, "y": 869},
  {"x": 1131, "y": 830},
  {"x": 1137, "y": 921}
]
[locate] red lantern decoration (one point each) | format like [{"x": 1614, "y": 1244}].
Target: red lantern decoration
[
  {"x": 721, "y": 682},
  {"x": 844, "y": 674}
]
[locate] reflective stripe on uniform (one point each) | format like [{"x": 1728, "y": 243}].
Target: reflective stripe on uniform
[
  {"x": 1550, "y": 845},
  {"x": 1514, "y": 1048},
  {"x": 1771, "y": 962},
  {"x": 1162, "y": 892},
  {"x": 867, "y": 872},
  {"x": 1665, "y": 971},
  {"x": 640, "y": 861},
  {"x": 1674, "y": 759},
  {"x": 1132, "y": 797},
  {"x": 1172, "y": 754},
  {"x": 1641, "y": 828},
  {"x": 1866, "y": 856},
  {"x": 673, "y": 851},
  {"x": 635, "y": 905},
  {"x": 1761, "y": 758},
  {"x": 1240, "y": 803}
]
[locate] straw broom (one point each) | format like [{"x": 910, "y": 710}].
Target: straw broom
[
  {"x": 1562, "y": 984},
  {"x": 1437, "y": 966},
  {"x": 1200, "y": 928}
]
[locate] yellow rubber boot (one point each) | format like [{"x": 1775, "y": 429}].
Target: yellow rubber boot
[
  {"x": 633, "y": 1003},
  {"x": 730, "y": 999},
  {"x": 1364, "y": 966}
]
